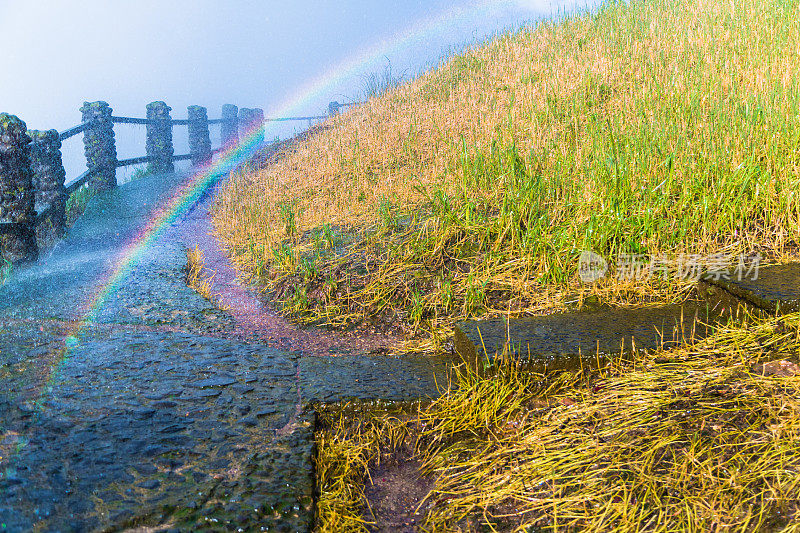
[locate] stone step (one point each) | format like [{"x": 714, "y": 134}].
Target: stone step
[
  {"x": 574, "y": 339},
  {"x": 378, "y": 377},
  {"x": 773, "y": 289}
]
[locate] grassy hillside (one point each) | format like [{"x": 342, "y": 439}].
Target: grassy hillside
[{"x": 650, "y": 127}]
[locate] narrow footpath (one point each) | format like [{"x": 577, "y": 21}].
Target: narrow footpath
[{"x": 130, "y": 402}]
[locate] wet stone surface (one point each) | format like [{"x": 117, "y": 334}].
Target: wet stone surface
[
  {"x": 75, "y": 277},
  {"x": 568, "y": 340},
  {"x": 128, "y": 402},
  {"x": 156, "y": 294},
  {"x": 335, "y": 379},
  {"x": 126, "y": 431},
  {"x": 775, "y": 289}
]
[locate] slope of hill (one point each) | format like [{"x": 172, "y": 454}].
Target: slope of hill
[
  {"x": 654, "y": 127},
  {"x": 647, "y": 127}
]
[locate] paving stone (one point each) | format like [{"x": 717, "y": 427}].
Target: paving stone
[
  {"x": 572, "y": 339},
  {"x": 249, "y": 421},
  {"x": 149, "y": 484},
  {"x": 334, "y": 379},
  {"x": 213, "y": 382},
  {"x": 205, "y": 394},
  {"x": 774, "y": 289}
]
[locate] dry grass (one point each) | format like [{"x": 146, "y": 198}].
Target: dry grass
[
  {"x": 690, "y": 439},
  {"x": 352, "y": 439},
  {"x": 649, "y": 127},
  {"x": 196, "y": 276}
]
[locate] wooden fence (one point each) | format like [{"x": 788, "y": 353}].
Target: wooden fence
[{"x": 33, "y": 186}]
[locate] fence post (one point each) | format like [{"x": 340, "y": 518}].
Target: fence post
[
  {"x": 199, "y": 138},
  {"x": 48, "y": 182},
  {"x": 16, "y": 192},
  {"x": 98, "y": 145},
  {"x": 251, "y": 124},
  {"x": 159, "y": 137},
  {"x": 258, "y": 124},
  {"x": 229, "y": 129}
]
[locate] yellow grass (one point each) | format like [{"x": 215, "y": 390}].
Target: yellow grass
[
  {"x": 691, "y": 439},
  {"x": 196, "y": 276},
  {"x": 352, "y": 438},
  {"x": 694, "y": 438},
  {"x": 651, "y": 127}
]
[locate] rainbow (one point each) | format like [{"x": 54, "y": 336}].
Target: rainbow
[
  {"x": 369, "y": 56},
  {"x": 199, "y": 182},
  {"x": 194, "y": 187}
]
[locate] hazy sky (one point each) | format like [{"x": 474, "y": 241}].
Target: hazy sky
[{"x": 285, "y": 57}]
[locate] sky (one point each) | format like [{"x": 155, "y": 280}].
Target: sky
[{"x": 289, "y": 58}]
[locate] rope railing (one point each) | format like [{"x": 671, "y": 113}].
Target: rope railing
[{"x": 31, "y": 162}]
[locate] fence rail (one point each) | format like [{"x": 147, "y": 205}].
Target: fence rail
[
  {"x": 133, "y": 161},
  {"x": 174, "y": 122},
  {"x": 31, "y": 162},
  {"x": 129, "y": 120},
  {"x": 78, "y": 182},
  {"x": 73, "y": 131}
]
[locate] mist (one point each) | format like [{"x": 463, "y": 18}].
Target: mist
[{"x": 251, "y": 54}]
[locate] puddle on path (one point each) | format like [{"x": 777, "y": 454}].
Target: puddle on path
[{"x": 255, "y": 318}]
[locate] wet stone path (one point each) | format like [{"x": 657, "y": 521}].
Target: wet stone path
[{"x": 130, "y": 402}]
